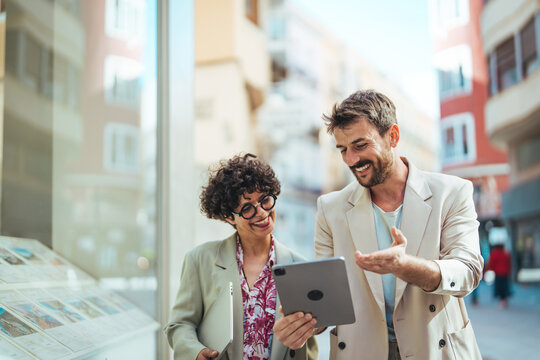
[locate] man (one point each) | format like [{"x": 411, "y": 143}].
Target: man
[{"x": 410, "y": 242}]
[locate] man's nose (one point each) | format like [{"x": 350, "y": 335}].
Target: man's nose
[{"x": 351, "y": 158}]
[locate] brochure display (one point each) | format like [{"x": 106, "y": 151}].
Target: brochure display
[{"x": 50, "y": 309}]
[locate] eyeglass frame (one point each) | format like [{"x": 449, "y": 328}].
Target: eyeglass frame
[{"x": 255, "y": 207}]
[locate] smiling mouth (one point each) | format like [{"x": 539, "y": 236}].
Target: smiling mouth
[
  {"x": 262, "y": 223},
  {"x": 361, "y": 168}
]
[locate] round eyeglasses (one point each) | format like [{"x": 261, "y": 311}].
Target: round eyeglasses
[{"x": 249, "y": 210}]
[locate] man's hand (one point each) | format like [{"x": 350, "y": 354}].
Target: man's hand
[
  {"x": 295, "y": 329},
  {"x": 411, "y": 269},
  {"x": 387, "y": 260},
  {"x": 206, "y": 354}
]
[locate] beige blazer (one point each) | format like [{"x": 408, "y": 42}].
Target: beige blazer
[
  {"x": 439, "y": 222},
  {"x": 206, "y": 270}
]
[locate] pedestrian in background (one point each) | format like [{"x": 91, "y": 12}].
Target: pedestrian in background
[{"x": 500, "y": 262}]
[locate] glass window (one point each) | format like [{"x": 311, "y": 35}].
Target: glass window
[
  {"x": 31, "y": 62},
  {"x": 506, "y": 64},
  {"x": 78, "y": 169},
  {"x": 458, "y": 139},
  {"x": 279, "y": 71},
  {"x": 124, "y": 18},
  {"x": 121, "y": 148},
  {"x": 451, "y": 13},
  {"x": 454, "y": 68},
  {"x": 529, "y": 53},
  {"x": 252, "y": 11},
  {"x": 449, "y": 143},
  {"x": 122, "y": 80},
  {"x": 277, "y": 28},
  {"x": 527, "y": 153}
]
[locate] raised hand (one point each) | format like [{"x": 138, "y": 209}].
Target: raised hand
[{"x": 387, "y": 260}]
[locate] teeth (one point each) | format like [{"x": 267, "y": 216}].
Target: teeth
[
  {"x": 359, "y": 169},
  {"x": 263, "y": 221}
]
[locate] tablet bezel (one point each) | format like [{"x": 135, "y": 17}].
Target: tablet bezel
[{"x": 328, "y": 276}]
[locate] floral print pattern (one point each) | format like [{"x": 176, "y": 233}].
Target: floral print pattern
[{"x": 259, "y": 305}]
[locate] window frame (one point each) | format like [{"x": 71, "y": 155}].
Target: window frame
[{"x": 457, "y": 123}]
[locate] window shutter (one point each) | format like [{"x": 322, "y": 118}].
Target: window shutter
[
  {"x": 528, "y": 45},
  {"x": 506, "y": 60}
]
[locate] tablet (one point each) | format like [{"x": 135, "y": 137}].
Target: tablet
[
  {"x": 216, "y": 329},
  {"x": 319, "y": 287}
]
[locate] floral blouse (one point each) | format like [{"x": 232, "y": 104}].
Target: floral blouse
[{"x": 259, "y": 305}]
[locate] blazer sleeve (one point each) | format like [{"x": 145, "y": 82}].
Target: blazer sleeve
[
  {"x": 460, "y": 260},
  {"x": 324, "y": 242},
  {"x": 186, "y": 314}
]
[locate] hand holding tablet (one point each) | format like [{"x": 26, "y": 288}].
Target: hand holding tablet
[{"x": 319, "y": 288}]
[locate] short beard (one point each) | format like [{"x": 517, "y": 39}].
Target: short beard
[{"x": 380, "y": 171}]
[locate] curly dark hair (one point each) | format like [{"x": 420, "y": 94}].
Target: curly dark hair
[
  {"x": 230, "y": 179},
  {"x": 370, "y": 104}
]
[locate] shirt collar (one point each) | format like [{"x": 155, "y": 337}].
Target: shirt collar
[{"x": 240, "y": 253}]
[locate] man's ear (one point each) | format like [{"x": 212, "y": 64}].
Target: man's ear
[{"x": 394, "y": 135}]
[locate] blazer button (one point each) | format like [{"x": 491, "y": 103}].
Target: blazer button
[
  {"x": 452, "y": 284},
  {"x": 292, "y": 353},
  {"x": 442, "y": 343},
  {"x": 341, "y": 345},
  {"x": 432, "y": 308}
]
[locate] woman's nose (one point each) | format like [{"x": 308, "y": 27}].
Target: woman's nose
[{"x": 260, "y": 210}]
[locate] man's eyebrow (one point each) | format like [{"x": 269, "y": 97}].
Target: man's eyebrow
[
  {"x": 352, "y": 143},
  {"x": 358, "y": 140}
]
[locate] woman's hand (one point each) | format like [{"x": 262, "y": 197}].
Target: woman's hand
[
  {"x": 206, "y": 354},
  {"x": 293, "y": 330}
]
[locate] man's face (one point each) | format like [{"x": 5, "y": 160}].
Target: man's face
[{"x": 368, "y": 154}]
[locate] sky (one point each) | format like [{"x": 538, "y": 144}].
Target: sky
[{"x": 391, "y": 34}]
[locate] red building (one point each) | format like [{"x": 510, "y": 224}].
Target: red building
[{"x": 463, "y": 92}]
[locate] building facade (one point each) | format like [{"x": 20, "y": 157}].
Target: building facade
[
  {"x": 511, "y": 42},
  {"x": 463, "y": 91},
  {"x": 232, "y": 73},
  {"x": 312, "y": 69}
]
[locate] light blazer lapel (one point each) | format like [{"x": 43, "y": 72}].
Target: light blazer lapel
[
  {"x": 226, "y": 270},
  {"x": 283, "y": 256},
  {"x": 362, "y": 227},
  {"x": 415, "y": 216}
]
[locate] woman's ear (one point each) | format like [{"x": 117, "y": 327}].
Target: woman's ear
[{"x": 230, "y": 220}]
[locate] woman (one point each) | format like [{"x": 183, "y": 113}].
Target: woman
[
  {"x": 242, "y": 191},
  {"x": 500, "y": 262}
]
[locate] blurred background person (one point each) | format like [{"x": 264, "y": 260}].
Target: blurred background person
[{"x": 500, "y": 262}]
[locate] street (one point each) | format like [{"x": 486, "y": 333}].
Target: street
[
  {"x": 510, "y": 333},
  {"x": 502, "y": 334}
]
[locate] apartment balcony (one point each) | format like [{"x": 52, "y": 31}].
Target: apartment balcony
[
  {"x": 512, "y": 112},
  {"x": 224, "y": 33},
  {"x": 67, "y": 121},
  {"x": 500, "y": 19},
  {"x": 66, "y": 36}
]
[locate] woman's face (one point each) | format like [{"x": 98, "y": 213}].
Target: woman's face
[{"x": 262, "y": 223}]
